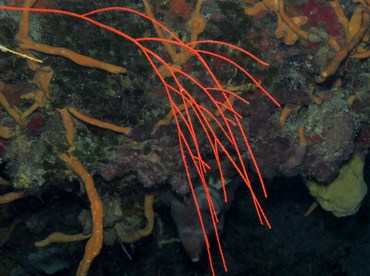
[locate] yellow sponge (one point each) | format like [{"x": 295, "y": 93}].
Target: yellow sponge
[{"x": 344, "y": 195}]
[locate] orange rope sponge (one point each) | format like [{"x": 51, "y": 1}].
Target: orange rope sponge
[
  {"x": 141, "y": 233},
  {"x": 11, "y": 111},
  {"x": 301, "y": 136},
  {"x": 68, "y": 125},
  {"x": 71, "y": 55},
  {"x": 6, "y": 133},
  {"x": 58, "y": 237},
  {"x": 98, "y": 123},
  {"x": 27, "y": 44},
  {"x": 11, "y": 196},
  {"x": 287, "y": 110},
  {"x": 332, "y": 67},
  {"x": 95, "y": 242}
]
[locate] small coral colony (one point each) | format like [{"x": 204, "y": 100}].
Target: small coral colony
[{"x": 176, "y": 104}]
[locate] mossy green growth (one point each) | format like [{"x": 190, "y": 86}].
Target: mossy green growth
[{"x": 344, "y": 195}]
